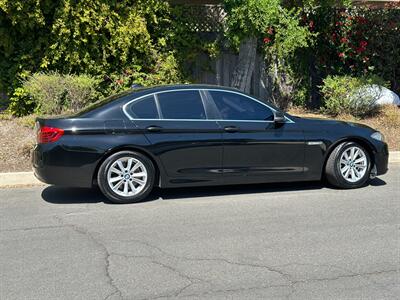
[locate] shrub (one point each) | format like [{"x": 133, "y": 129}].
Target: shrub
[
  {"x": 352, "y": 95},
  {"x": 21, "y": 104},
  {"x": 47, "y": 91},
  {"x": 53, "y": 93},
  {"x": 165, "y": 71},
  {"x": 80, "y": 91}
]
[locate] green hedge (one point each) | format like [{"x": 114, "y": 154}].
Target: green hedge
[
  {"x": 52, "y": 94},
  {"x": 351, "y": 95}
]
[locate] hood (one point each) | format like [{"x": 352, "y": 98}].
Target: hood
[{"x": 329, "y": 122}]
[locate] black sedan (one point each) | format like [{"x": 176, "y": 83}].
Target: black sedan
[{"x": 199, "y": 135}]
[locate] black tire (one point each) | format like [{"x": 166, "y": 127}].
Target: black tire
[
  {"x": 332, "y": 168},
  {"x": 110, "y": 193}
]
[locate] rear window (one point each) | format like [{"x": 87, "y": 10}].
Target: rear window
[
  {"x": 144, "y": 108},
  {"x": 181, "y": 105}
]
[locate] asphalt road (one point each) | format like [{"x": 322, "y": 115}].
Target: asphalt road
[{"x": 291, "y": 241}]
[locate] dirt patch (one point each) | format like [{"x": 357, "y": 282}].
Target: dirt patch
[{"x": 16, "y": 141}]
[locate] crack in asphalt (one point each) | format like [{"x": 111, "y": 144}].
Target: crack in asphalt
[
  {"x": 34, "y": 228},
  {"x": 105, "y": 251},
  {"x": 193, "y": 280},
  {"x": 352, "y": 274},
  {"x": 269, "y": 268},
  {"x": 276, "y": 269}
]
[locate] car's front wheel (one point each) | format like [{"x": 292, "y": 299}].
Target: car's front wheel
[
  {"x": 348, "y": 166},
  {"x": 126, "y": 177}
]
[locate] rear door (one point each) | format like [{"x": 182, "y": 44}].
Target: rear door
[
  {"x": 255, "y": 148},
  {"x": 188, "y": 144}
]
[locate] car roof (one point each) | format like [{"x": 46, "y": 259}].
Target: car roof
[{"x": 159, "y": 88}]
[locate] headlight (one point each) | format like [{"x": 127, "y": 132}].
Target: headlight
[{"x": 378, "y": 136}]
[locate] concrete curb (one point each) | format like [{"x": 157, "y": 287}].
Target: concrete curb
[
  {"x": 22, "y": 179},
  {"x": 18, "y": 179},
  {"x": 394, "y": 157}
]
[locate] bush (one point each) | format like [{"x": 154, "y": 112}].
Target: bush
[
  {"x": 352, "y": 95},
  {"x": 94, "y": 37},
  {"x": 53, "y": 93},
  {"x": 165, "y": 71},
  {"x": 21, "y": 104},
  {"x": 80, "y": 91}
]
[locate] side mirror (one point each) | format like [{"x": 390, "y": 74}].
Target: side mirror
[{"x": 279, "y": 117}]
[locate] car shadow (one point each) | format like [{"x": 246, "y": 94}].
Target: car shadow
[
  {"x": 64, "y": 195},
  {"x": 377, "y": 182}
]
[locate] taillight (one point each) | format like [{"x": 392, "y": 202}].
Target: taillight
[{"x": 47, "y": 134}]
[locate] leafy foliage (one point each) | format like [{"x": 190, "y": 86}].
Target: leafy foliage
[
  {"x": 55, "y": 94},
  {"x": 21, "y": 104},
  {"x": 106, "y": 39},
  {"x": 279, "y": 27},
  {"x": 352, "y": 95},
  {"x": 119, "y": 43},
  {"x": 282, "y": 33}
]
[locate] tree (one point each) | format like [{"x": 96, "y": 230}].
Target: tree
[{"x": 249, "y": 21}]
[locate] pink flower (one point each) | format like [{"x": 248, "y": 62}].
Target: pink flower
[
  {"x": 360, "y": 50},
  {"x": 267, "y": 40},
  {"x": 363, "y": 44},
  {"x": 341, "y": 54}
]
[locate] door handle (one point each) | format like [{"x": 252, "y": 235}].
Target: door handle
[
  {"x": 231, "y": 129},
  {"x": 154, "y": 128}
]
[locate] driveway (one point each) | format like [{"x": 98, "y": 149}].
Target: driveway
[{"x": 285, "y": 241}]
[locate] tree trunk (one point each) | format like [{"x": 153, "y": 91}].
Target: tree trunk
[{"x": 241, "y": 77}]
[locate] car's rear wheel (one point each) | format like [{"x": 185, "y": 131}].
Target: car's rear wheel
[
  {"x": 126, "y": 177},
  {"x": 348, "y": 166}
]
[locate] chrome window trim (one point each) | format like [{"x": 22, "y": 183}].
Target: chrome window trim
[{"x": 124, "y": 107}]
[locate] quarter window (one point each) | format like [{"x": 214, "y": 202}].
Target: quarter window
[
  {"x": 233, "y": 106},
  {"x": 181, "y": 105},
  {"x": 144, "y": 108}
]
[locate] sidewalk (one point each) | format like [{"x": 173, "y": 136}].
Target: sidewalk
[{"x": 21, "y": 179}]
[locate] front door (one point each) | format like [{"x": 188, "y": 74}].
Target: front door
[{"x": 255, "y": 149}]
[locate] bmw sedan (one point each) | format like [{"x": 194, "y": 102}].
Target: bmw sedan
[{"x": 199, "y": 135}]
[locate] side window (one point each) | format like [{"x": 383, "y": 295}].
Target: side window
[
  {"x": 144, "y": 108},
  {"x": 237, "y": 107},
  {"x": 181, "y": 105}
]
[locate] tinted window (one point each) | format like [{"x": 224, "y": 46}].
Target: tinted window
[
  {"x": 236, "y": 107},
  {"x": 144, "y": 108},
  {"x": 181, "y": 105}
]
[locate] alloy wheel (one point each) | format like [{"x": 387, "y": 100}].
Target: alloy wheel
[
  {"x": 353, "y": 164},
  {"x": 127, "y": 176}
]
